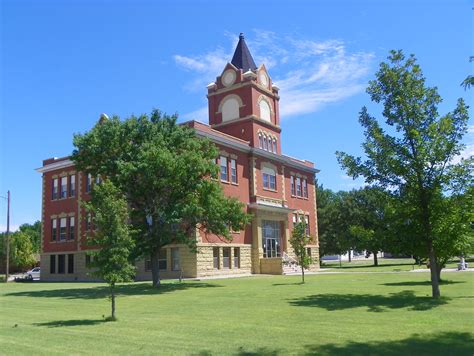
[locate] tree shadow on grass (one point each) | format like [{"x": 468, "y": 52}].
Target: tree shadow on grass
[
  {"x": 446, "y": 343},
  {"x": 357, "y": 266},
  {"x": 79, "y": 322},
  {"x": 419, "y": 283},
  {"x": 104, "y": 291},
  {"x": 374, "y": 303}
]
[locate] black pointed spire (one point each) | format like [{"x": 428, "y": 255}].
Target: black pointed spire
[{"x": 242, "y": 58}]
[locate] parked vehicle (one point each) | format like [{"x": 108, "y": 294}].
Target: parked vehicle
[{"x": 34, "y": 273}]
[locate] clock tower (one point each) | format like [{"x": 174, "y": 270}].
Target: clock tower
[{"x": 244, "y": 103}]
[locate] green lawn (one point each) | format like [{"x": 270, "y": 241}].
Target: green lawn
[{"x": 357, "y": 314}]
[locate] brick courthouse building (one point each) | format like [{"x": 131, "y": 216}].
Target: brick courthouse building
[{"x": 278, "y": 190}]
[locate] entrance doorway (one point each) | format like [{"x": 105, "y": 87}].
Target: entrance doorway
[{"x": 271, "y": 238}]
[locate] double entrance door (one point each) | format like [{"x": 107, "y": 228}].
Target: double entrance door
[{"x": 271, "y": 238}]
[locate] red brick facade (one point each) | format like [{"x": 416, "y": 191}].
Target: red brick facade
[{"x": 275, "y": 188}]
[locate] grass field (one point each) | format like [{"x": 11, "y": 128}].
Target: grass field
[
  {"x": 385, "y": 265},
  {"x": 357, "y": 314}
]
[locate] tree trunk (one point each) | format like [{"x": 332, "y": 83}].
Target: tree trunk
[
  {"x": 376, "y": 261},
  {"x": 302, "y": 273},
  {"x": 349, "y": 254},
  {"x": 155, "y": 269},
  {"x": 112, "y": 295},
  {"x": 434, "y": 272}
]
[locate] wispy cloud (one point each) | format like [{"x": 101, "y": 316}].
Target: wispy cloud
[
  {"x": 469, "y": 149},
  {"x": 310, "y": 73}
]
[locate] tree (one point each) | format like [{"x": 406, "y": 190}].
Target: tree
[
  {"x": 108, "y": 208},
  {"x": 370, "y": 222},
  {"x": 299, "y": 240},
  {"x": 25, "y": 245},
  {"x": 334, "y": 215},
  {"x": 414, "y": 158},
  {"x": 166, "y": 174},
  {"x": 34, "y": 233}
]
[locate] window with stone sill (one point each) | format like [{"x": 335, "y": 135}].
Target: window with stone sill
[
  {"x": 88, "y": 183},
  {"x": 54, "y": 229},
  {"x": 223, "y": 169},
  {"x": 63, "y": 191},
  {"x": 298, "y": 187},
  {"x": 62, "y": 229},
  {"x": 55, "y": 189},
  {"x": 233, "y": 171},
  {"x": 72, "y": 186},
  {"x": 72, "y": 223},
  {"x": 269, "y": 178}
]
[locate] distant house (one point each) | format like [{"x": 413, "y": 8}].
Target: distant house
[{"x": 244, "y": 123}]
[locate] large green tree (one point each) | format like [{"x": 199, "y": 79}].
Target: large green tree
[
  {"x": 413, "y": 153},
  {"x": 334, "y": 217},
  {"x": 112, "y": 261},
  {"x": 370, "y": 224},
  {"x": 25, "y": 245},
  {"x": 166, "y": 173}
]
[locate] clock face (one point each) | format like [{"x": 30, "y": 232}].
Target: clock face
[
  {"x": 263, "y": 79},
  {"x": 228, "y": 78}
]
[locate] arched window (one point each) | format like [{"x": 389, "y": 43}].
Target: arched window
[
  {"x": 265, "y": 111},
  {"x": 230, "y": 108},
  {"x": 265, "y": 145},
  {"x": 274, "y": 145},
  {"x": 260, "y": 141}
]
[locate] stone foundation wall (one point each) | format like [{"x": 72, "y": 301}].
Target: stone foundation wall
[
  {"x": 271, "y": 266},
  {"x": 187, "y": 264},
  {"x": 81, "y": 272},
  {"x": 205, "y": 260}
]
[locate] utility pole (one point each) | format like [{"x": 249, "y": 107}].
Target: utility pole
[{"x": 7, "y": 267}]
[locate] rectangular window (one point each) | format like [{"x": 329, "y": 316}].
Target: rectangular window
[
  {"x": 306, "y": 220},
  {"x": 163, "y": 260},
  {"x": 224, "y": 173},
  {"x": 54, "y": 193},
  {"x": 236, "y": 257},
  {"x": 88, "y": 260},
  {"x": 215, "y": 257},
  {"x": 147, "y": 265},
  {"x": 54, "y": 229},
  {"x": 70, "y": 263},
  {"x": 63, "y": 187},
  {"x": 175, "y": 266},
  {"x": 72, "y": 223},
  {"x": 298, "y": 187},
  {"x": 89, "y": 183},
  {"x": 293, "y": 189},
  {"x": 226, "y": 257},
  {"x": 72, "y": 186},
  {"x": 295, "y": 219},
  {"x": 52, "y": 264},
  {"x": 62, "y": 229},
  {"x": 88, "y": 222},
  {"x": 305, "y": 188},
  {"x": 233, "y": 170},
  {"x": 98, "y": 179},
  {"x": 269, "y": 181},
  {"x": 61, "y": 264}
]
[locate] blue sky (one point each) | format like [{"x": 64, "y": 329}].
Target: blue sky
[{"x": 65, "y": 62}]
